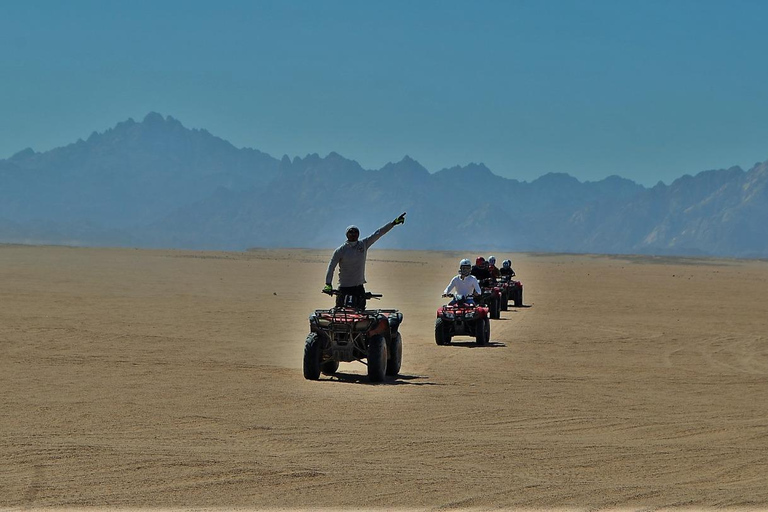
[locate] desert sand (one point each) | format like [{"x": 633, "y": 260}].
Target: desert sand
[{"x": 138, "y": 379}]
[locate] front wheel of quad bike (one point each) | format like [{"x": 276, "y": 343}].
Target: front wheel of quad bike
[
  {"x": 504, "y": 302},
  {"x": 377, "y": 358},
  {"x": 313, "y": 350},
  {"x": 494, "y": 308},
  {"x": 329, "y": 367},
  {"x": 482, "y": 327},
  {"x": 442, "y": 335},
  {"x": 395, "y": 356},
  {"x": 487, "y": 331},
  {"x": 519, "y": 298}
]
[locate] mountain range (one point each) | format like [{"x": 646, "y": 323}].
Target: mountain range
[{"x": 156, "y": 183}]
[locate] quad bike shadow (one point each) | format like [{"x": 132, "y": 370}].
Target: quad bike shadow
[
  {"x": 472, "y": 344},
  {"x": 350, "y": 332},
  {"x": 398, "y": 380}
]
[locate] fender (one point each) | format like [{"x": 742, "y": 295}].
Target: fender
[{"x": 379, "y": 328}]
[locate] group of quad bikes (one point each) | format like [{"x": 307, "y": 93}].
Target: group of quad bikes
[
  {"x": 473, "y": 318},
  {"x": 372, "y": 336}
]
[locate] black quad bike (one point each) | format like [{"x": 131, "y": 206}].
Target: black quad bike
[
  {"x": 462, "y": 318},
  {"x": 350, "y": 333}
]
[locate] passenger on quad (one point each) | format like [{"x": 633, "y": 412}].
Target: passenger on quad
[
  {"x": 506, "y": 269},
  {"x": 480, "y": 270},
  {"x": 492, "y": 267},
  {"x": 350, "y": 257},
  {"x": 464, "y": 283}
]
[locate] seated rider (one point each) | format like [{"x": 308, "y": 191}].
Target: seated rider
[
  {"x": 480, "y": 270},
  {"x": 464, "y": 283},
  {"x": 506, "y": 269},
  {"x": 492, "y": 267}
]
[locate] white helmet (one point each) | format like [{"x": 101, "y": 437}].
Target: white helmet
[
  {"x": 492, "y": 260},
  {"x": 465, "y": 267},
  {"x": 506, "y": 264}
]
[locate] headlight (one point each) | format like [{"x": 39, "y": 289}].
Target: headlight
[
  {"x": 470, "y": 315},
  {"x": 448, "y": 315},
  {"x": 323, "y": 322}
]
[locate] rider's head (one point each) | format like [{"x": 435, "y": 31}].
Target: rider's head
[
  {"x": 492, "y": 260},
  {"x": 506, "y": 264},
  {"x": 353, "y": 233},
  {"x": 480, "y": 261},
  {"x": 465, "y": 267}
]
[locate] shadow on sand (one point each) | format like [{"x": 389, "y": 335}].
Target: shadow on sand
[
  {"x": 399, "y": 380},
  {"x": 472, "y": 344}
]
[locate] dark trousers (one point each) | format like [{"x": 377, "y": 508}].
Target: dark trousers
[{"x": 357, "y": 294}]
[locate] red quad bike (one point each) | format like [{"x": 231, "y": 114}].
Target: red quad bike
[
  {"x": 504, "y": 296},
  {"x": 491, "y": 297},
  {"x": 350, "y": 333},
  {"x": 462, "y": 319},
  {"x": 514, "y": 290}
]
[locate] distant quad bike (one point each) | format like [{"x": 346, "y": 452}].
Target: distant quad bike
[
  {"x": 503, "y": 296},
  {"x": 514, "y": 290},
  {"x": 491, "y": 297},
  {"x": 350, "y": 333},
  {"x": 462, "y": 319}
]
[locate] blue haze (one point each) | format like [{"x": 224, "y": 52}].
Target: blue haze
[{"x": 647, "y": 90}]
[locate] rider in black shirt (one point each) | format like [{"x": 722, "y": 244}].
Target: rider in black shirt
[
  {"x": 480, "y": 269},
  {"x": 506, "y": 269}
]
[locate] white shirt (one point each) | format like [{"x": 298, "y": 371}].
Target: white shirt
[{"x": 464, "y": 286}]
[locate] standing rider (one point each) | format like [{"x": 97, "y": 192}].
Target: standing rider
[
  {"x": 350, "y": 257},
  {"x": 465, "y": 284}
]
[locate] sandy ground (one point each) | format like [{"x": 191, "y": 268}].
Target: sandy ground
[{"x": 169, "y": 379}]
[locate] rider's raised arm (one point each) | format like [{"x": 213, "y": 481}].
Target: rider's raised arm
[
  {"x": 369, "y": 240},
  {"x": 332, "y": 266},
  {"x": 383, "y": 230}
]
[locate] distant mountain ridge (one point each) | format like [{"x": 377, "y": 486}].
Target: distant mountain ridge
[{"x": 156, "y": 183}]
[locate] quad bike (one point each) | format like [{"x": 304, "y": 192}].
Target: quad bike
[
  {"x": 462, "y": 318},
  {"x": 504, "y": 296},
  {"x": 514, "y": 290},
  {"x": 351, "y": 333},
  {"x": 491, "y": 297}
]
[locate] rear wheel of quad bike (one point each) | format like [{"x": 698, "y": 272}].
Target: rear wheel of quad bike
[
  {"x": 395, "y": 355},
  {"x": 377, "y": 358},
  {"x": 329, "y": 367},
  {"x": 481, "y": 331},
  {"x": 519, "y": 298},
  {"x": 442, "y": 335},
  {"x": 312, "y": 353},
  {"x": 494, "y": 308}
]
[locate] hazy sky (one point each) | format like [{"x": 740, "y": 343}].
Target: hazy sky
[{"x": 649, "y": 90}]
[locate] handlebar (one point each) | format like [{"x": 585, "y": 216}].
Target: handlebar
[{"x": 368, "y": 295}]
